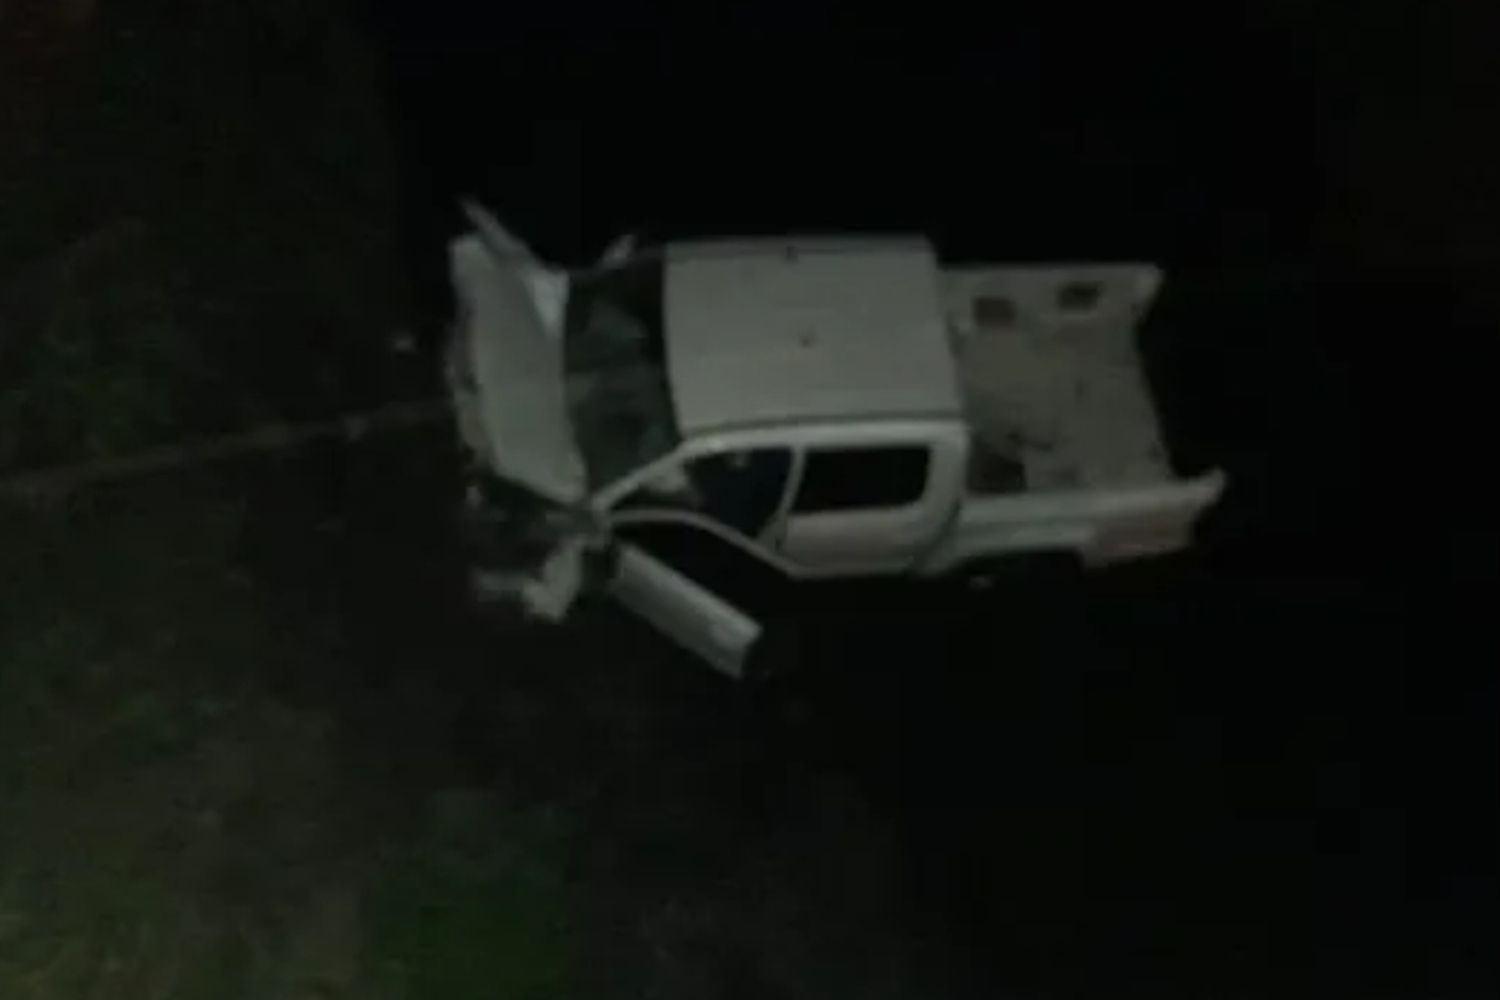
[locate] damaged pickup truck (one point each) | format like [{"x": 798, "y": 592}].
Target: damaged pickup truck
[{"x": 821, "y": 407}]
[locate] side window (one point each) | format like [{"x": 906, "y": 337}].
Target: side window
[
  {"x": 862, "y": 478},
  {"x": 740, "y": 489}
]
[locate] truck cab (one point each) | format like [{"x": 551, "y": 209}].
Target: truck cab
[{"x": 827, "y": 407}]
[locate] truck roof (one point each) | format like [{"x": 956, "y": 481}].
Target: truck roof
[{"x": 797, "y": 330}]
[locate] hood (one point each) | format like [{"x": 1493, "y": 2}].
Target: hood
[{"x": 507, "y": 362}]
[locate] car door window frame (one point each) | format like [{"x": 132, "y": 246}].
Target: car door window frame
[
  {"x": 828, "y": 543},
  {"x": 782, "y": 458},
  {"x": 609, "y": 502}
]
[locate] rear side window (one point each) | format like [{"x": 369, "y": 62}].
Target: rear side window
[{"x": 862, "y": 478}]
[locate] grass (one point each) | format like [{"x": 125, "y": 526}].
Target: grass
[
  {"x": 468, "y": 917},
  {"x": 170, "y": 826},
  {"x": 249, "y": 747},
  {"x": 245, "y": 753},
  {"x": 192, "y": 242},
  {"x": 136, "y": 755}
]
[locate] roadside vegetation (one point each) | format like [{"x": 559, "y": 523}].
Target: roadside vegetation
[{"x": 251, "y": 744}]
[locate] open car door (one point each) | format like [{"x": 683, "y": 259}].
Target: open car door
[{"x": 686, "y": 611}]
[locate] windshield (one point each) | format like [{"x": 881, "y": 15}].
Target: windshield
[{"x": 618, "y": 400}]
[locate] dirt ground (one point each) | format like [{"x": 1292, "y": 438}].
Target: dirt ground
[{"x": 253, "y": 747}]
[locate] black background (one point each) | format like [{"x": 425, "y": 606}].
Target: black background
[{"x": 1269, "y": 764}]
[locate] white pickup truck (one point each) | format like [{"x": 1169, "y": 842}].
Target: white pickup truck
[{"x": 829, "y": 407}]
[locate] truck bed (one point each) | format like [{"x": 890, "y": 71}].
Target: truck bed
[{"x": 1052, "y": 383}]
